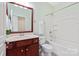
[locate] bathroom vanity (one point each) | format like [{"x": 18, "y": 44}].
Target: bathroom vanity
[
  {"x": 22, "y": 46},
  {"x": 20, "y": 21}
]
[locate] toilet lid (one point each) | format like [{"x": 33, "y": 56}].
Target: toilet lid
[{"x": 47, "y": 46}]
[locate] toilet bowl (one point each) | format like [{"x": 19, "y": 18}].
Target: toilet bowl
[{"x": 47, "y": 49}]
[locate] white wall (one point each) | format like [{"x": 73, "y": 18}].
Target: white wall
[
  {"x": 40, "y": 10},
  {"x": 2, "y": 29},
  {"x": 1, "y": 21},
  {"x": 66, "y": 28}
]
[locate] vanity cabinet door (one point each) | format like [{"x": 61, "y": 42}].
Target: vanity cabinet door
[
  {"x": 28, "y": 51},
  {"x": 11, "y": 52},
  {"x": 35, "y": 49},
  {"x": 21, "y": 51},
  {"x": 32, "y": 50}
]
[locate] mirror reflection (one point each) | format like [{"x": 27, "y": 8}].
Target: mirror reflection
[{"x": 19, "y": 18}]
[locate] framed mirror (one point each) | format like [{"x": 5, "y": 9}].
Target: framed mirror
[{"x": 19, "y": 18}]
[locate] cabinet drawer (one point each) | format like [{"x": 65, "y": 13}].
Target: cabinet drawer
[
  {"x": 23, "y": 43},
  {"x": 10, "y": 45},
  {"x": 11, "y": 52},
  {"x": 36, "y": 40},
  {"x": 32, "y": 50}
]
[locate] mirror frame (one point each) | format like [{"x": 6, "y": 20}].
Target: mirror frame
[{"x": 31, "y": 17}]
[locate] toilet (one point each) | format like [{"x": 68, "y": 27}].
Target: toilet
[{"x": 46, "y": 47}]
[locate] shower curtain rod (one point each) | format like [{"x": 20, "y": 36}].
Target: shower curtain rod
[{"x": 62, "y": 8}]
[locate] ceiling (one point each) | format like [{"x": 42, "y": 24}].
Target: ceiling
[
  {"x": 59, "y": 5},
  {"x": 56, "y": 5},
  {"x": 43, "y": 5}
]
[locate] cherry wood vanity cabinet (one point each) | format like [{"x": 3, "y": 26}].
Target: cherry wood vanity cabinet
[{"x": 26, "y": 47}]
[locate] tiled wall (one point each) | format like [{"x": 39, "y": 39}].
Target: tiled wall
[
  {"x": 64, "y": 26},
  {"x": 67, "y": 31}
]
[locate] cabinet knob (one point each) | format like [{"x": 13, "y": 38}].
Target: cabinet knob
[
  {"x": 6, "y": 46},
  {"x": 36, "y": 40},
  {"x": 22, "y": 50},
  {"x": 7, "y": 42},
  {"x": 27, "y": 49}
]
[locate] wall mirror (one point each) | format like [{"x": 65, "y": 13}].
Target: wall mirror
[{"x": 19, "y": 18}]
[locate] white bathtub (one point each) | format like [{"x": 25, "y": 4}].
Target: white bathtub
[{"x": 61, "y": 50}]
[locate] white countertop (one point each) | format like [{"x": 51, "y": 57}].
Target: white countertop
[{"x": 19, "y": 37}]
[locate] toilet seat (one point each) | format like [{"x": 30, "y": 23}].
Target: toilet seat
[
  {"x": 47, "y": 46},
  {"x": 47, "y": 49}
]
